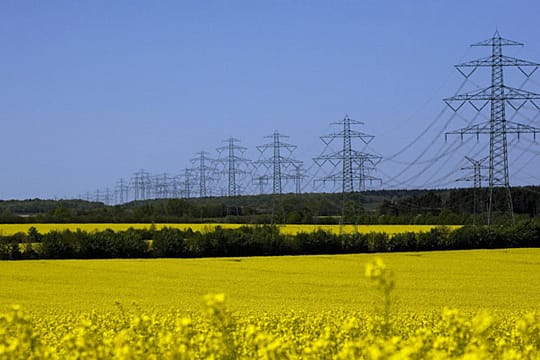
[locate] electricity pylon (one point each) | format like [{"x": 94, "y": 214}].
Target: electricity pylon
[
  {"x": 497, "y": 95},
  {"x": 354, "y": 163},
  {"x": 204, "y": 171},
  {"x": 298, "y": 176},
  {"x": 142, "y": 185},
  {"x": 476, "y": 178},
  {"x": 234, "y": 164},
  {"x": 161, "y": 186},
  {"x": 187, "y": 182},
  {"x": 277, "y": 163},
  {"x": 476, "y": 167},
  {"x": 122, "y": 190}
]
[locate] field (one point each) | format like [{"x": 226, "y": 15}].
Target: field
[
  {"x": 277, "y": 307},
  {"x": 10, "y": 229},
  {"x": 469, "y": 280}
]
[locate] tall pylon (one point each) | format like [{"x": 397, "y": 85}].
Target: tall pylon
[
  {"x": 204, "y": 171},
  {"x": 234, "y": 162},
  {"x": 187, "y": 182},
  {"x": 141, "y": 185},
  {"x": 498, "y": 127},
  {"x": 122, "y": 190},
  {"x": 476, "y": 167},
  {"x": 161, "y": 185},
  {"x": 476, "y": 178},
  {"x": 278, "y": 162},
  {"x": 354, "y": 163}
]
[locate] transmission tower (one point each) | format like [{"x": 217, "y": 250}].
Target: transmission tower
[
  {"x": 354, "y": 163},
  {"x": 234, "y": 164},
  {"x": 174, "y": 186},
  {"x": 122, "y": 190},
  {"x": 161, "y": 186},
  {"x": 476, "y": 178},
  {"x": 497, "y": 95},
  {"x": 107, "y": 196},
  {"x": 187, "y": 183},
  {"x": 142, "y": 185},
  {"x": 204, "y": 171},
  {"x": 97, "y": 196},
  {"x": 88, "y": 196},
  {"x": 476, "y": 167},
  {"x": 261, "y": 181},
  {"x": 277, "y": 163},
  {"x": 297, "y": 176}
]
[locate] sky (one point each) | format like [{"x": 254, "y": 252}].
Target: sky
[{"x": 93, "y": 91}]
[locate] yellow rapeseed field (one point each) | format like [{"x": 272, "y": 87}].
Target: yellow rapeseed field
[
  {"x": 10, "y": 229},
  {"x": 438, "y": 305}
]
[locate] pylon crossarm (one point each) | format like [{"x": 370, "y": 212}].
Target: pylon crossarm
[
  {"x": 360, "y": 157},
  {"x": 483, "y": 128},
  {"x": 519, "y": 94},
  {"x": 327, "y": 139},
  {"x": 476, "y": 162},
  {"x": 516, "y": 128},
  {"x": 497, "y": 40},
  {"x": 485, "y": 94},
  {"x": 348, "y": 120},
  {"x": 482, "y": 94},
  {"x": 366, "y": 138},
  {"x": 501, "y": 60},
  {"x": 528, "y": 74},
  {"x": 449, "y": 103}
]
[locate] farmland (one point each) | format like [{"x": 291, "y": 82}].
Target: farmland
[
  {"x": 469, "y": 280},
  {"x": 274, "y": 307},
  {"x": 10, "y": 229}
]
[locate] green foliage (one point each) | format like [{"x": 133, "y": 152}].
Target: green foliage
[
  {"x": 58, "y": 245},
  {"x": 264, "y": 240},
  {"x": 169, "y": 242}
]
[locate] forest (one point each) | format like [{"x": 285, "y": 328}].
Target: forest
[{"x": 438, "y": 207}]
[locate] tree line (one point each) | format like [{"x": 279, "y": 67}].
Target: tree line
[
  {"x": 262, "y": 240},
  {"x": 442, "y": 207}
]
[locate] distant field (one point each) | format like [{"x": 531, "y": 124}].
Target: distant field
[
  {"x": 10, "y": 229},
  {"x": 496, "y": 280}
]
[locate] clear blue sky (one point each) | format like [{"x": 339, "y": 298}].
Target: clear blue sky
[{"x": 92, "y": 91}]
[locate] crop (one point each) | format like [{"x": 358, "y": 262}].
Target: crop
[
  {"x": 10, "y": 229},
  {"x": 219, "y": 332}
]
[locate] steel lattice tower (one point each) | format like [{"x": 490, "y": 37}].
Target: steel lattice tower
[
  {"x": 161, "y": 186},
  {"x": 353, "y": 162},
  {"x": 476, "y": 167},
  {"x": 298, "y": 176},
  {"x": 141, "y": 184},
  {"x": 498, "y": 127},
  {"x": 233, "y": 163},
  {"x": 278, "y": 162},
  {"x": 121, "y": 190},
  {"x": 476, "y": 178},
  {"x": 187, "y": 182},
  {"x": 204, "y": 171}
]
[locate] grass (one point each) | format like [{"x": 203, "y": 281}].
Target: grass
[
  {"x": 10, "y": 229},
  {"x": 495, "y": 280}
]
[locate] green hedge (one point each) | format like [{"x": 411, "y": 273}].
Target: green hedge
[{"x": 262, "y": 240}]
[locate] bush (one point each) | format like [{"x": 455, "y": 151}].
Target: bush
[
  {"x": 169, "y": 242},
  {"x": 58, "y": 245},
  {"x": 265, "y": 240}
]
